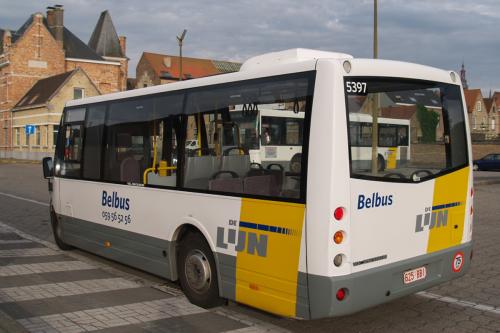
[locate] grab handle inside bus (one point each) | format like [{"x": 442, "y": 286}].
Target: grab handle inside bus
[{"x": 48, "y": 167}]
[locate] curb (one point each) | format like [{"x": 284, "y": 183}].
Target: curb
[
  {"x": 12, "y": 161},
  {"x": 9, "y": 325},
  {"x": 486, "y": 182}
]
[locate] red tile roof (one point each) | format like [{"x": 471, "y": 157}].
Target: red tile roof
[
  {"x": 471, "y": 96},
  {"x": 399, "y": 112},
  {"x": 167, "y": 66},
  {"x": 496, "y": 99}
]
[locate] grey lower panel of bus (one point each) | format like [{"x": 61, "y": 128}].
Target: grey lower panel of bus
[
  {"x": 378, "y": 285},
  {"x": 227, "y": 275},
  {"x": 144, "y": 252},
  {"x": 147, "y": 253}
]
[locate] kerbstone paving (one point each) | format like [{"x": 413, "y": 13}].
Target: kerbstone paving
[
  {"x": 37, "y": 268},
  {"x": 26, "y": 293}
]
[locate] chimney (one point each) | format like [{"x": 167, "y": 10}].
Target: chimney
[
  {"x": 123, "y": 45},
  {"x": 55, "y": 21}
]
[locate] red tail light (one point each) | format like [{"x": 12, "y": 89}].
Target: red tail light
[
  {"x": 341, "y": 294},
  {"x": 338, "y": 213}
]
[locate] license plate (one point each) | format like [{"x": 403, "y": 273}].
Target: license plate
[{"x": 414, "y": 275}]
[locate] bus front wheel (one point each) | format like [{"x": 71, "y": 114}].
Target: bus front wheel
[
  {"x": 57, "y": 231},
  {"x": 197, "y": 271}
]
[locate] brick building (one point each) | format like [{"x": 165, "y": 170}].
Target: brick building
[
  {"x": 41, "y": 107},
  {"x": 479, "y": 121},
  {"x": 154, "y": 69},
  {"x": 43, "y": 47}
]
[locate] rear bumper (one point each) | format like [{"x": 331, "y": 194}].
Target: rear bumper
[{"x": 382, "y": 284}]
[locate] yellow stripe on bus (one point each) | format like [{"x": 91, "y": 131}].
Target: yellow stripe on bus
[
  {"x": 449, "y": 189},
  {"x": 270, "y": 282}
]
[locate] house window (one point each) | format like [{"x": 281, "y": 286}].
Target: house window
[
  {"x": 55, "y": 131},
  {"x": 478, "y": 106},
  {"x": 492, "y": 124},
  {"x": 5, "y": 133},
  {"x": 78, "y": 93},
  {"x": 26, "y": 138},
  {"x": 38, "y": 136},
  {"x": 17, "y": 137}
]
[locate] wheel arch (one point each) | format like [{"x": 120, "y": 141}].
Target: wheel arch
[{"x": 178, "y": 233}]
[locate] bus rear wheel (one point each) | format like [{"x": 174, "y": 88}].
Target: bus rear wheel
[
  {"x": 197, "y": 271},
  {"x": 57, "y": 231}
]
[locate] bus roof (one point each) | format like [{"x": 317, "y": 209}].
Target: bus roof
[{"x": 285, "y": 62}]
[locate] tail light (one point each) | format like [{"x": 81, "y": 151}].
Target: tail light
[
  {"x": 338, "y": 213},
  {"x": 338, "y": 237},
  {"x": 341, "y": 294}
]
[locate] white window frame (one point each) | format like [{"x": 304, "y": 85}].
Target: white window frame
[
  {"x": 478, "y": 106},
  {"x": 81, "y": 89}
]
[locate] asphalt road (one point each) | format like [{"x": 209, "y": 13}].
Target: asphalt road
[{"x": 110, "y": 297}]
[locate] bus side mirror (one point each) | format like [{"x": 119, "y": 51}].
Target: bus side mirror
[{"x": 48, "y": 167}]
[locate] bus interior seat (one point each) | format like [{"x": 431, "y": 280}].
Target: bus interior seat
[
  {"x": 199, "y": 169},
  {"x": 261, "y": 185},
  {"x": 226, "y": 181},
  {"x": 130, "y": 169},
  {"x": 236, "y": 163}
]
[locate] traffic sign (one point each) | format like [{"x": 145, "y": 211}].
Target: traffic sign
[{"x": 30, "y": 129}]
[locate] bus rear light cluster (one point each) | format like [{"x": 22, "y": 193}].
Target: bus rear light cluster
[
  {"x": 338, "y": 237},
  {"x": 341, "y": 294},
  {"x": 338, "y": 213}
]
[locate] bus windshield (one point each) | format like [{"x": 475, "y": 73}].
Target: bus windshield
[{"x": 404, "y": 130}]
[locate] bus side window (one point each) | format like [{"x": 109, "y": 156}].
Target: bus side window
[
  {"x": 94, "y": 127},
  {"x": 72, "y": 143}
]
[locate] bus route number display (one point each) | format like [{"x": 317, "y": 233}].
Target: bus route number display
[{"x": 355, "y": 87}]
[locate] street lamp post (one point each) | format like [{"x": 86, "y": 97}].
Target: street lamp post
[
  {"x": 180, "y": 39},
  {"x": 375, "y": 100}
]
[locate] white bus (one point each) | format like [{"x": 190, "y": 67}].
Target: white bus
[
  {"x": 393, "y": 144},
  {"x": 270, "y": 133},
  {"x": 325, "y": 239}
]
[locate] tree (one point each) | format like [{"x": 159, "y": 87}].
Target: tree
[{"x": 428, "y": 122}]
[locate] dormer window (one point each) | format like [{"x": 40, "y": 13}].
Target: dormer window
[{"x": 478, "y": 106}]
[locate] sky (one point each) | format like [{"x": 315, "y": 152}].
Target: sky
[{"x": 441, "y": 33}]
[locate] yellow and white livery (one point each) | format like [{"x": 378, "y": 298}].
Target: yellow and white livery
[{"x": 319, "y": 235}]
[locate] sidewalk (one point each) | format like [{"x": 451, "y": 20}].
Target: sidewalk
[
  {"x": 43, "y": 289},
  {"x": 15, "y": 161}
]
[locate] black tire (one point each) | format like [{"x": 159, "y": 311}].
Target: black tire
[
  {"x": 57, "y": 231},
  {"x": 380, "y": 163},
  {"x": 195, "y": 259}
]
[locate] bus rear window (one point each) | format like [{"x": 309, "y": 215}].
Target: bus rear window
[{"x": 405, "y": 130}]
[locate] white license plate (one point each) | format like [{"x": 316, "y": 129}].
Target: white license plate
[{"x": 414, "y": 275}]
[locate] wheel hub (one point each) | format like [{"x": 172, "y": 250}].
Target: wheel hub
[{"x": 198, "y": 273}]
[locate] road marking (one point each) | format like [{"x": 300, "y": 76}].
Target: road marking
[
  {"x": 14, "y": 241},
  {"x": 143, "y": 280},
  {"x": 57, "y": 266},
  {"x": 41, "y": 291},
  {"x": 113, "y": 316},
  {"x": 465, "y": 304},
  {"x": 31, "y": 252},
  {"x": 24, "y": 199}
]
